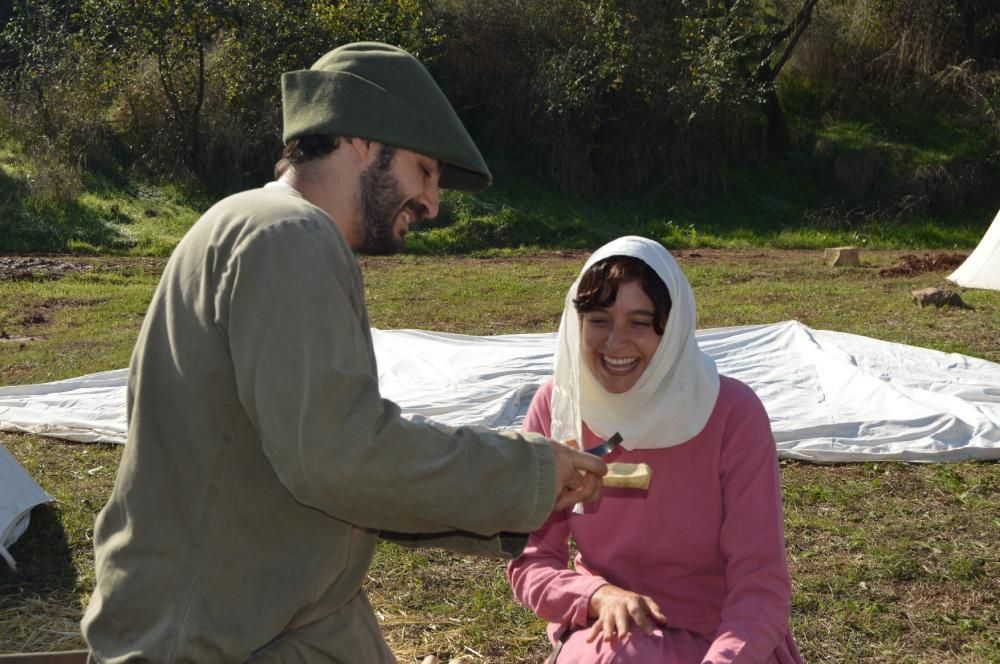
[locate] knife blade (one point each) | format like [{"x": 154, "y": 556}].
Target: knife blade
[{"x": 605, "y": 448}]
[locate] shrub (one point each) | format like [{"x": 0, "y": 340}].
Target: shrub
[
  {"x": 599, "y": 97},
  {"x": 608, "y": 96}
]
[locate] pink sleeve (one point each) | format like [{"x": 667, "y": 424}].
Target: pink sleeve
[
  {"x": 539, "y": 576},
  {"x": 756, "y": 609}
]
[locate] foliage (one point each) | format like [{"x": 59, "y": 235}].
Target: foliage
[
  {"x": 605, "y": 99},
  {"x": 905, "y": 55},
  {"x": 166, "y": 41},
  {"x": 187, "y": 89},
  {"x": 55, "y": 100},
  {"x": 613, "y": 96},
  {"x": 922, "y": 77},
  {"x": 275, "y": 36},
  {"x": 616, "y": 96}
]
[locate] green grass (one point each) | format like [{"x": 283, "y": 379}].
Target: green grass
[
  {"x": 770, "y": 206},
  {"x": 84, "y": 322},
  {"x": 150, "y": 220},
  {"x": 890, "y": 562},
  {"x": 49, "y": 206}
]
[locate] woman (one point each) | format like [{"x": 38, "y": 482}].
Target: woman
[{"x": 692, "y": 570}]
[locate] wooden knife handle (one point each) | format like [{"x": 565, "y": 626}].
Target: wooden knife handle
[{"x": 628, "y": 476}]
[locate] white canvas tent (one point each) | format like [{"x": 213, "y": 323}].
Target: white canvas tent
[
  {"x": 18, "y": 495},
  {"x": 982, "y": 268}
]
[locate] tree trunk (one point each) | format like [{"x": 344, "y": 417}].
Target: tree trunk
[{"x": 776, "y": 137}]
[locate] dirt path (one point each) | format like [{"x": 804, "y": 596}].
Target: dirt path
[
  {"x": 19, "y": 268},
  {"x": 42, "y": 268}
]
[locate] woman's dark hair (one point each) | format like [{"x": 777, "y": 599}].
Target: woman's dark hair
[
  {"x": 599, "y": 287},
  {"x": 303, "y": 149}
]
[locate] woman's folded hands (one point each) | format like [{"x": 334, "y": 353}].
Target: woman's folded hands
[{"x": 615, "y": 610}]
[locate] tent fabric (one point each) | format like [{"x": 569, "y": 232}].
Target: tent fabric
[
  {"x": 831, "y": 396},
  {"x": 88, "y": 409},
  {"x": 18, "y": 495},
  {"x": 982, "y": 268}
]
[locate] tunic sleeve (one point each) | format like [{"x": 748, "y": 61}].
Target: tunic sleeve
[
  {"x": 291, "y": 306},
  {"x": 540, "y": 577},
  {"x": 756, "y": 609}
]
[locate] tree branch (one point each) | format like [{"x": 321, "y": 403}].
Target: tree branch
[{"x": 766, "y": 72}]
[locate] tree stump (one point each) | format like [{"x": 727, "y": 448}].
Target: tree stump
[{"x": 840, "y": 256}]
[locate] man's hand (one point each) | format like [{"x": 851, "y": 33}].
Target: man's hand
[
  {"x": 615, "y": 608},
  {"x": 578, "y": 475}
]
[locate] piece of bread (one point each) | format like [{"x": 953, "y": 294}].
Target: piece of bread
[{"x": 628, "y": 476}]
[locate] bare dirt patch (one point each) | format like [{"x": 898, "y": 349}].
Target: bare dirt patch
[
  {"x": 40, "y": 314},
  {"x": 34, "y": 316},
  {"x": 51, "y": 267},
  {"x": 20, "y": 268},
  {"x": 909, "y": 265}
]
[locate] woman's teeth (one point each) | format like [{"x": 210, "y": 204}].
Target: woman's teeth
[{"x": 620, "y": 364}]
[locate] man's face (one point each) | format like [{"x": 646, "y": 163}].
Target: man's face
[{"x": 398, "y": 189}]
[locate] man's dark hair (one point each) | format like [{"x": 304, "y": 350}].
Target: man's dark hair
[
  {"x": 599, "y": 287},
  {"x": 302, "y": 149}
]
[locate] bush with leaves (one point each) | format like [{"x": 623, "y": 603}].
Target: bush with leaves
[
  {"x": 922, "y": 55},
  {"x": 180, "y": 88},
  {"x": 615, "y": 95},
  {"x": 275, "y": 36},
  {"x": 595, "y": 96}
]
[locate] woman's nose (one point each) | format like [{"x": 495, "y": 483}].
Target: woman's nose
[{"x": 615, "y": 337}]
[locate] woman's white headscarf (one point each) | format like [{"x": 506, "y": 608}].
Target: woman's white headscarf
[{"x": 674, "y": 396}]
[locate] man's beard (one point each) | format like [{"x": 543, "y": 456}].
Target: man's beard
[{"x": 381, "y": 199}]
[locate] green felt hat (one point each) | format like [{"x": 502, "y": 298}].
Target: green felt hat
[{"x": 382, "y": 93}]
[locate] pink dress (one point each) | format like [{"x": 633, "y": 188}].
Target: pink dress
[{"x": 706, "y": 542}]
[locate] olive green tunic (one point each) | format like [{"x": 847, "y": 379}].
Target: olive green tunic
[{"x": 262, "y": 462}]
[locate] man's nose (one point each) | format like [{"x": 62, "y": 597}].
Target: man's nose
[{"x": 430, "y": 199}]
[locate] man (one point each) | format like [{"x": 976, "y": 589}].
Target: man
[{"x": 262, "y": 463}]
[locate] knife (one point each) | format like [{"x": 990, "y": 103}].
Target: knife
[{"x": 605, "y": 448}]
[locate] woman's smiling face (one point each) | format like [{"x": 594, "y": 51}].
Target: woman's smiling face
[{"x": 619, "y": 341}]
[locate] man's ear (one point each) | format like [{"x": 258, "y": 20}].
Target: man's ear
[{"x": 363, "y": 149}]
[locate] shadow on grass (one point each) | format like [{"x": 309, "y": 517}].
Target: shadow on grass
[
  {"x": 29, "y": 224},
  {"x": 40, "y": 607},
  {"x": 44, "y": 560}
]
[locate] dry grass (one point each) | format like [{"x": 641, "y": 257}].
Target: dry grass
[{"x": 36, "y": 624}]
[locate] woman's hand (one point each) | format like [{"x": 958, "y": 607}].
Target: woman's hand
[{"x": 614, "y": 608}]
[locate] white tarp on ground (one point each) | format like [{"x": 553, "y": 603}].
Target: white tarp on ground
[
  {"x": 18, "y": 495},
  {"x": 832, "y": 397},
  {"x": 982, "y": 268}
]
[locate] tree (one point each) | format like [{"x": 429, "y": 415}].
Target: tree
[
  {"x": 38, "y": 57},
  {"x": 176, "y": 36},
  {"x": 774, "y": 55}
]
